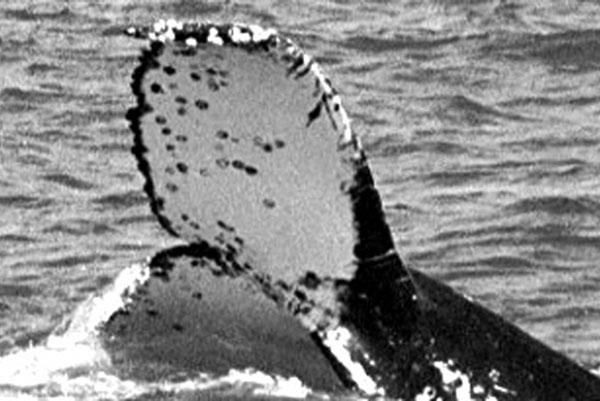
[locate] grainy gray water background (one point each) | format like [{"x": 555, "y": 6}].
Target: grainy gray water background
[{"x": 481, "y": 120}]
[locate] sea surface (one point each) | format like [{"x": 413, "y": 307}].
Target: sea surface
[{"x": 481, "y": 120}]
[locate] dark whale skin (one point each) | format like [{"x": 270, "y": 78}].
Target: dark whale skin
[{"x": 447, "y": 326}]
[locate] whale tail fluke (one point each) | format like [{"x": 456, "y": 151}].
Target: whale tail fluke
[{"x": 245, "y": 146}]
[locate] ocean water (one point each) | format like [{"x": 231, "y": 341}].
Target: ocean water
[{"x": 480, "y": 118}]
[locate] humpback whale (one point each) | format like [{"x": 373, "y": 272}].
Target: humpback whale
[{"x": 289, "y": 265}]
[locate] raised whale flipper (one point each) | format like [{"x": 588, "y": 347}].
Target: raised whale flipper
[{"x": 248, "y": 153}]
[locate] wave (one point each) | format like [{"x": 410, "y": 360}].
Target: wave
[
  {"x": 551, "y": 101},
  {"x": 38, "y": 68},
  {"x": 29, "y": 95},
  {"x": 384, "y": 148},
  {"x": 463, "y": 109},
  {"x": 73, "y": 260},
  {"x": 68, "y": 181},
  {"x": 556, "y": 205},
  {"x": 25, "y": 202},
  {"x": 78, "y": 227},
  {"x": 400, "y": 42},
  {"x": 26, "y": 14},
  {"x": 121, "y": 200},
  {"x": 575, "y": 51}
]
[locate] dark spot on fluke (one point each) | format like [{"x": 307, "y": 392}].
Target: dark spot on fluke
[
  {"x": 240, "y": 165},
  {"x": 156, "y": 88},
  {"x": 314, "y": 113},
  {"x": 182, "y": 167},
  {"x": 268, "y": 203},
  {"x": 169, "y": 70},
  {"x": 201, "y": 104},
  {"x": 225, "y": 226},
  {"x": 310, "y": 280},
  {"x": 222, "y": 162},
  {"x": 212, "y": 84}
]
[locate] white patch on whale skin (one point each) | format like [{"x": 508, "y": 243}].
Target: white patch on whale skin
[
  {"x": 214, "y": 38},
  {"x": 238, "y": 36},
  {"x": 457, "y": 384},
  {"x": 451, "y": 376},
  {"x": 191, "y": 42},
  {"x": 260, "y": 34},
  {"x": 337, "y": 342},
  {"x": 428, "y": 394}
]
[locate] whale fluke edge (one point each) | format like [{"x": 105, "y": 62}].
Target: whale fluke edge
[{"x": 248, "y": 156}]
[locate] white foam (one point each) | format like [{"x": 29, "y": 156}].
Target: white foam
[
  {"x": 77, "y": 347},
  {"x": 338, "y": 343}
]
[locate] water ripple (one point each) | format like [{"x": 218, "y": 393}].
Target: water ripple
[
  {"x": 122, "y": 200},
  {"x": 26, "y": 14},
  {"x": 79, "y": 227},
  {"x": 557, "y": 205},
  {"x": 67, "y": 181},
  {"x": 24, "y": 202},
  {"x": 377, "y": 45}
]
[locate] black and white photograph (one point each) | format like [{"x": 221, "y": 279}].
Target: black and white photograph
[{"x": 299, "y": 200}]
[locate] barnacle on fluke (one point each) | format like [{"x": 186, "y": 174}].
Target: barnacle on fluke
[{"x": 269, "y": 184}]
